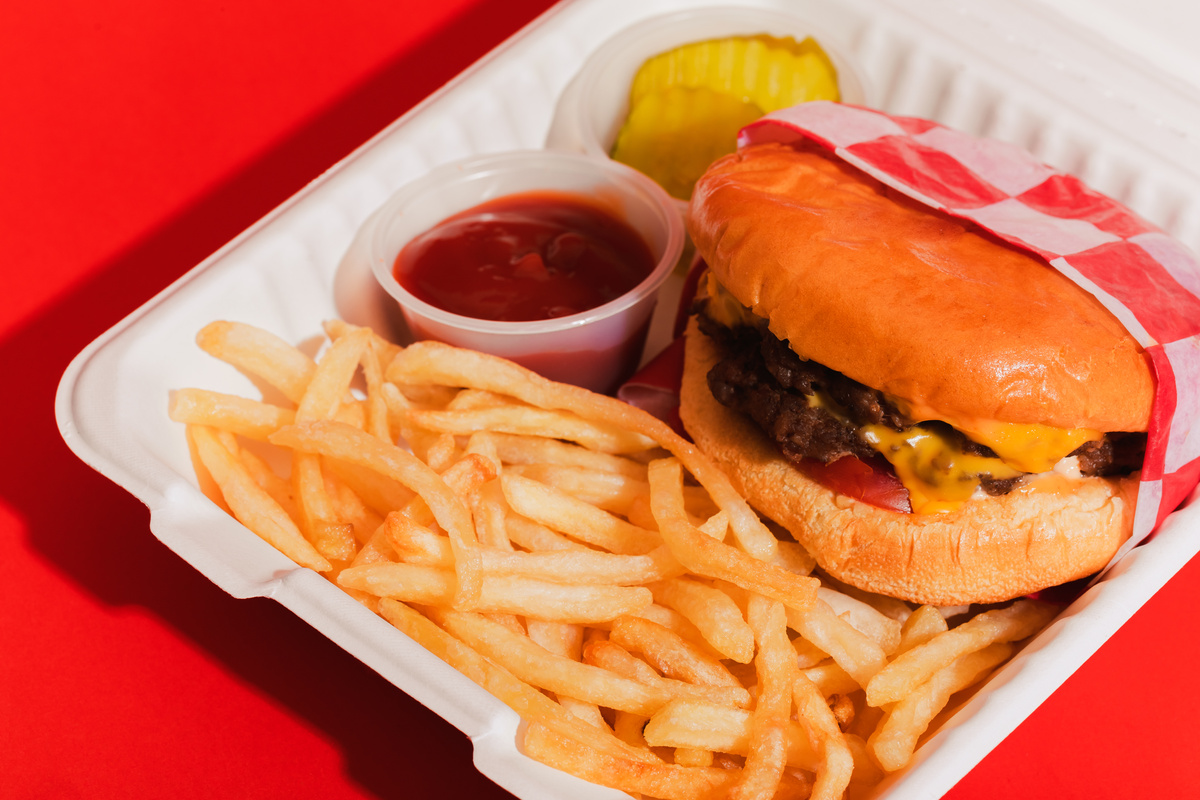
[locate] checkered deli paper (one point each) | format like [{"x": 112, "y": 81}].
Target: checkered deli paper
[{"x": 1149, "y": 281}]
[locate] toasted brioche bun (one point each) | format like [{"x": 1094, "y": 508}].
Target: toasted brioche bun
[
  {"x": 925, "y": 308},
  {"x": 989, "y": 550}
]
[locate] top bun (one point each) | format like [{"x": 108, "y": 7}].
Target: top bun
[{"x": 924, "y": 307}]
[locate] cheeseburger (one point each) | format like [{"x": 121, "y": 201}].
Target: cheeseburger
[{"x": 936, "y": 415}]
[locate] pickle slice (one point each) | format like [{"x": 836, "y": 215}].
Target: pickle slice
[
  {"x": 674, "y": 134},
  {"x": 771, "y": 72},
  {"x": 687, "y": 104}
]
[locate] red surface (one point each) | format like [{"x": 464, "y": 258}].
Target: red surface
[{"x": 138, "y": 137}]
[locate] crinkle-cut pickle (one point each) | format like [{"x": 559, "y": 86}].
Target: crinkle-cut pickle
[
  {"x": 687, "y": 104},
  {"x": 692, "y": 127}
]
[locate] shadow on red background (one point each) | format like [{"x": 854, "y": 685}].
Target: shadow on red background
[{"x": 110, "y": 551}]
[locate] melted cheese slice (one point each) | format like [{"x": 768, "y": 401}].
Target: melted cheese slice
[
  {"x": 724, "y": 308},
  {"x": 940, "y": 477},
  {"x": 1028, "y": 447}
]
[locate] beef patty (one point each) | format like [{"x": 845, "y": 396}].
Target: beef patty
[{"x": 763, "y": 378}]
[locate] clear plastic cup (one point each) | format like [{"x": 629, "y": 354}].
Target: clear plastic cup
[
  {"x": 598, "y": 348},
  {"x": 593, "y": 107}
]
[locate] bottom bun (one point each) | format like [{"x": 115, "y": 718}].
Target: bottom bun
[{"x": 989, "y": 550}]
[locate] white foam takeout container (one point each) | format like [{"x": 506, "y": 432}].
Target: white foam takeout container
[{"x": 1007, "y": 70}]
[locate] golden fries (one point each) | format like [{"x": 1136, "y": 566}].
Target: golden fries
[
  {"x": 251, "y": 504},
  {"x": 714, "y": 614},
  {"x": 1018, "y": 621},
  {"x": 775, "y": 664},
  {"x": 584, "y": 564},
  {"x": 896, "y": 737}
]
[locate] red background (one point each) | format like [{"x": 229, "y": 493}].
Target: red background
[{"x": 138, "y": 137}]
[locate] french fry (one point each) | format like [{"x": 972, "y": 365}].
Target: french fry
[
  {"x": 208, "y": 486},
  {"x": 381, "y": 493},
  {"x": 690, "y": 757},
  {"x": 721, "y": 729},
  {"x": 921, "y": 626},
  {"x": 715, "y": 526},
  {"x": 484, "y": 443},
  {"x": 576, "y": 518},
  {"x": 424, "y": 395},
  {"x": 259, "y": 353},
  {"x": 775, "y": 664},
  {"x": 244, "y": 417},
  {"x": 616, "y": 659},
  {"x": 415, "y": 543},
  {"x": 489, "y": 509},
  {"x": 912, "y": 668},
  {"x": 842, "y": 708},
  {"x": 584, "y": 566},
  {"x": 714, "y": 614},
  {"x": 896, "y": 738},
  {"x": 672, "y": 620},
  {"x": 378, "y": 422},
  {"x": 888, "y": 606},
  {"x": 794, "y": 558},
  {"x": 669, "y": 653},
  {"x": 328, "y": 384},
  {"x": 386, "y": 351},
  {"x": 831, "y": 679},
  {"x": 463, "y": 477},
  {"x": 610, "y": 491},
  {"x": 566, "y": 641},
  {"x": 807, "y": 653},
  {"x": 505, "y": 594},
  {"x": 855, "y": 652},
  {"x": 478, "y": 398},
  {"x": 510, "y": 621},
  {"x": 628, "y": 728},
  {"x": 881, "y": 629},
  {"x": 588, "y": 712},
  {"x": 866, "y": 772},
  {"x": 251, "y": 504},
  {"x": 560, "y": 638},
  {"x": 344, "y": 442},
  {"x": 349, "y": 506},
  {"x": 332, "y": 538},
  {"x": 526, "y": 420},
  {"x": 526, "y": 450},
  {"x": 537, "y": 666},
  {"x": 837, "y": 767},
  {"x": 269, "y": 480},
  {"x": 705, "y": 556},
  {"x": 667, "y": 781},
  {"x": 535, "y": 536},
  {"x": 442, "y": 452}
]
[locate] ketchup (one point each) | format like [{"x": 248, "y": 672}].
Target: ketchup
[{"x": 529, "y": 256}]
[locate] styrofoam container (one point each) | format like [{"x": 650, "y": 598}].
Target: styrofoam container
[
  {"x": 598, "y": 348},
  {"x": 1009, "y": 71}
]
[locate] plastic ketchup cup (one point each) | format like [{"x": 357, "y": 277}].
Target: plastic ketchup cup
[{"x": 596, "y": 348}]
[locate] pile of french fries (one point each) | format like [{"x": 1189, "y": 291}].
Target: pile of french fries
[{"x": 585, "y": 564}]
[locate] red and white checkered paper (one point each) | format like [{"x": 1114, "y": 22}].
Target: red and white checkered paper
[{"x": 1149, "y": 281}]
